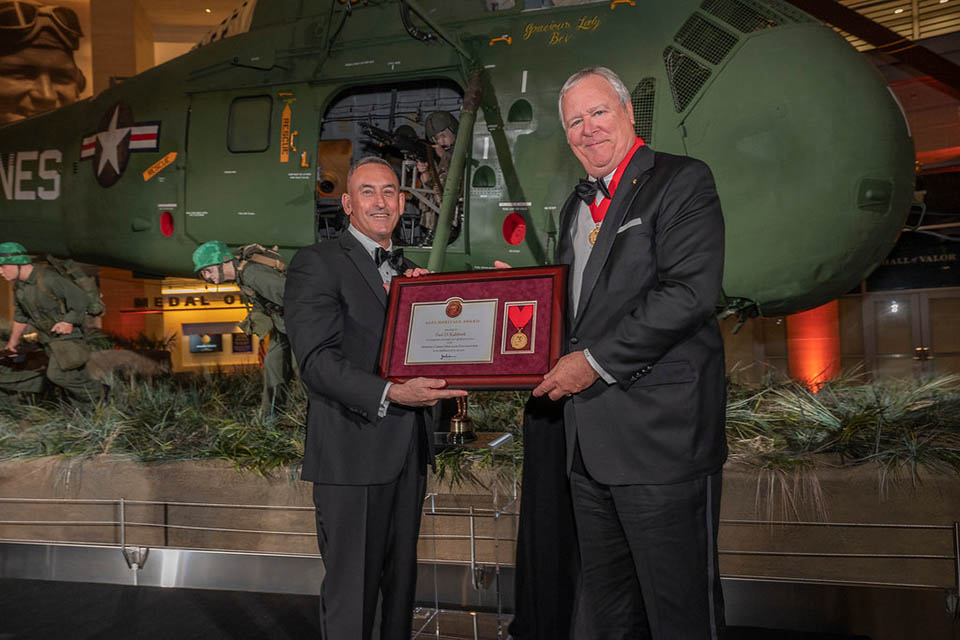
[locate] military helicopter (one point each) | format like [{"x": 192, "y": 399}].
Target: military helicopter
[{"x": 249, "y": 136}]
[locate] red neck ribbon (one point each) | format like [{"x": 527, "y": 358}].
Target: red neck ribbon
[
  {"x": 598, "y": 211},
  {"x": 520, "y": 315}
]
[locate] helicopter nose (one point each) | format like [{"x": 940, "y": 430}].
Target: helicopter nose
[{"x": 817, "y": 183}]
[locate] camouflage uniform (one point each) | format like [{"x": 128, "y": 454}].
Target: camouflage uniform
[
  {"x": 428, "y": 217},
  {"x": 434, "y": 126},
  {"x": 42, "y": 300},
  {"x": 262, "y": 288}
]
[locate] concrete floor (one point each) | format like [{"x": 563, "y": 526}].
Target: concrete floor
[{"x": 43, "y": 610}]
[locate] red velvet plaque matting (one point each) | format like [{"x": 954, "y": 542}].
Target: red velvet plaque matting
[{"x": 517, "y": 365}]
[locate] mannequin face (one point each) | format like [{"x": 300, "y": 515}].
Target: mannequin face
[{"x": 212, "y": 273}]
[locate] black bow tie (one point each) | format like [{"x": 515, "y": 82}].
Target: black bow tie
[
  {"x": 393, "y": 258},
  {"x": 587, "y": 190}
]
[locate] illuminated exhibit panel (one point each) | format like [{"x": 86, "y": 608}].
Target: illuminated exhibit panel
[
  {"x": 205, "y": 319},
  {"x": 200, "y": 319}
]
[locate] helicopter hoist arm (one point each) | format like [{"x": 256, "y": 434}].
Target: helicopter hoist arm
[{"x": 479, "y": 93}]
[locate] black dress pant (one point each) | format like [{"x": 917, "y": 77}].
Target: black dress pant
[
  {"x": 648, "y": 559},
  {"x": 547, "y": 560},
  {"x": 367, "y": 535}
]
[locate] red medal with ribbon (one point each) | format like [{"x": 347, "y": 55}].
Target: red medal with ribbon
[
  {"x": 598, "y": 211},
  {"x": 520, "y": 316}
]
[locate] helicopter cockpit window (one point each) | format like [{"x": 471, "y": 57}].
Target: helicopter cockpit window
[{"x": 248, "y": 128}]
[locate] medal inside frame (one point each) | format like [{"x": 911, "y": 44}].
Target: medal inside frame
[{"x": 509, "y": 331}]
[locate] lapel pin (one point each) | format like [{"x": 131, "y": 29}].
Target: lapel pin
[{"x": 634, "y": 181}]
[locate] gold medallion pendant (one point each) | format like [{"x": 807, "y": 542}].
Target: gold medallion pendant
[
  {"x": 593, "y": 234},
  {"x": 518, "y": 340}
]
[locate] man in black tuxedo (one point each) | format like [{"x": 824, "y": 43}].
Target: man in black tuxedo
[
  {"x": 643, "y": 378},
  {"x": 367, "y": 448}
]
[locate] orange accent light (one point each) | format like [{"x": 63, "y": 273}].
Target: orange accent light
[
  {"x": 813, "y": 344},
  {"x": 935, "y": 156}
]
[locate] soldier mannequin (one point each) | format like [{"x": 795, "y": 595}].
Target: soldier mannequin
[
  {"x": 441, "y": 131},
  {"x": 56, "y": 308},
  {"x": 263, "y": 289}
]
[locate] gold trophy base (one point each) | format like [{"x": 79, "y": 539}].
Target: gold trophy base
[
  {"x": 461, "y": 431},
  {"x": 461, "y": 426}
]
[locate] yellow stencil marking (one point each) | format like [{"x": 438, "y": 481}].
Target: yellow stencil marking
[
  {"x": 285, "y": 134},
  {"x": 160, "y": 165}
]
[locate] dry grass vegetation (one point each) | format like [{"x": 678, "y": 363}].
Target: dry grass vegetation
[{"x": 778, "y": 428}]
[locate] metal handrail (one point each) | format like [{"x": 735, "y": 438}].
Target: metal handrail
[
  {"x": 435, "y": 511},
  {"x": 473, "y": 513},
  {"x": 852, "y": 583},
  {"x": 869, "y": 525},
  {"x": 159, "y": 503},
  {"x": 825, "y": 554}
]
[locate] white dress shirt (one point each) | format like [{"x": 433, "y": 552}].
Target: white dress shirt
[
  {"x": 580, "y": 236},
  {"x": 386, "y": 274}
]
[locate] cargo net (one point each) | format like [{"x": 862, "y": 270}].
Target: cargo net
[
  {"x": 705, "y": 39},
  {"x": 686, "y": 76},
  {"x": 747, "y": 16},
  {"x": 643, "y": 99}
]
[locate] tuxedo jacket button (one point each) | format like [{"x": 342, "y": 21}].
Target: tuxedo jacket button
[{"x": 574, "y": 340}]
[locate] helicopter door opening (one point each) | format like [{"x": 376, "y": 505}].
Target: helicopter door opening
[{"x": 411, "y": 125}]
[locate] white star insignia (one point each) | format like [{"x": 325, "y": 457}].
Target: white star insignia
[{"x": 110, "y": 142}]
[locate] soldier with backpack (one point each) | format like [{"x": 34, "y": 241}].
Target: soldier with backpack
[
  {"x": 260, "y": 273},
  {"x": 56, "y": 306}
]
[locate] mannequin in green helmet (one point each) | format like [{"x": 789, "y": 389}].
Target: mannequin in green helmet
[
  {"x": 440, "y": 128},
  {"x": 56, "y": 308},
  {"x": 262, "y": 287}
]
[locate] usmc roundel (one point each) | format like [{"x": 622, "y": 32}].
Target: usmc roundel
[{"x": 119, "y": 135}]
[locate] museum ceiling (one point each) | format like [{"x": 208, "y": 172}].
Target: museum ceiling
[
  {"x": 188, "y": 12},
  {"x": 913, "y": 19}
]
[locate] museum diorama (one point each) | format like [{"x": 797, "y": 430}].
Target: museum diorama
[{"x": 162, "y": 163}]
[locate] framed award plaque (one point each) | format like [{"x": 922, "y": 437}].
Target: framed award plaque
[{"x": 490, "y": 329}]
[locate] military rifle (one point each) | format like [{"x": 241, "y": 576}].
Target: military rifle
[{"x": 410, "y": 147}]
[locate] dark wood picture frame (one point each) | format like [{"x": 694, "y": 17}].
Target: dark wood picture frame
[{"x": 478, "y": 376}]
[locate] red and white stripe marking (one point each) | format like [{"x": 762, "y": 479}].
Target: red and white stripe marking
[
  {"x": 89, "y": 146},
  {"x": 144, "y": 138}
]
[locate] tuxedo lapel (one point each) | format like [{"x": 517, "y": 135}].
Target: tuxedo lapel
[
  {"x": 365, "y": 265},
  {"x": 634, "y": 177},
  {"x": 564, "y": 253},
  {"x": 565, "y": 242}
]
